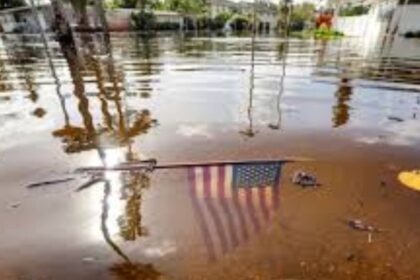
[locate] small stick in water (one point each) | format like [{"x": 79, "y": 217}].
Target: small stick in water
[
  {"x": 90, "y": 183},
  {"x": 49, "y": 182}
]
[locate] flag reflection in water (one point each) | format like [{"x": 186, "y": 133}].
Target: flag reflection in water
[{"x": 233, "y": 202}]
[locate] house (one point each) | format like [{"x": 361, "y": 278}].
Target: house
[
  {"x": 169, "y": 17},
  {"x": 22, "y": 19},
  {"x": 266, "y": 11},
  {"x": 221, "y": 6},
  {"x": 120, "y": 19}
]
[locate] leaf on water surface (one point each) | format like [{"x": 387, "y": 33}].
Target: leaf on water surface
[{"x": 410, "y": 179}]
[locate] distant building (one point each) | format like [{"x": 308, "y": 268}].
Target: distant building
[
  {"x": 22, "y": 19},
  {"x": 221, "y": 6},
  {"x": 267, "y": 12},
  {"x": 120, "y": 19},
  {"x": 169, "y": 17}
]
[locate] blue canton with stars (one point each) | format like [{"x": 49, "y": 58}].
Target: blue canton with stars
[{"x": 255, "y": 175}]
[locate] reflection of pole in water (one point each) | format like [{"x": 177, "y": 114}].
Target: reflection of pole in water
[
  {"x": 50, "y": 61},
  {"x": 104, "y": 228},
  {"x": 284, "y": 51},
  {"x": 127, "y": 270},
  {"x": 250, "y": 130},
  {"x": 51, "y": 64}
]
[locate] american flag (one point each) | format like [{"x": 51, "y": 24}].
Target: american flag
[{"x": 233, "y": 202}]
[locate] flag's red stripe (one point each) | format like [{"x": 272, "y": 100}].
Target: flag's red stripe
[
  {"x": 222, "y": 196},
  {"x": 263, "y": 203},
  {"x": 200, "y": 216},
  {"x": 212, "y": 210},
  {"x": 251, "y": 209},
  {"x": 240, "y": 214}
]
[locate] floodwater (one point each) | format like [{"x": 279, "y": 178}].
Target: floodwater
[{"x": 343, "y": 114}]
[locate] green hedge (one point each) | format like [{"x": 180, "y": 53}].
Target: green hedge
[{"x": 354, "y": 11}]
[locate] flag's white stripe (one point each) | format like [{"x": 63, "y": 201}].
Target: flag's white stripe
[
  {"x": 258, "y": 206},
  {"x": 269, "y": 202},
  {"x": 242, "y": 200},
  {"x": 228, "y": 181},
  {"x": 230, "y": 204},
  {"x": 199, "y": 182},
  {"x": 199, "y": 173},
  {"x": 215, "y": 214},
  {"x": 219, "y": 207},
  {"x": 225, "y": 207},
  {"x": 214, "y": 178}
]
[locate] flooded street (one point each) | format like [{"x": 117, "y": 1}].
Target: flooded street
[{"x": 345, "y": 114}]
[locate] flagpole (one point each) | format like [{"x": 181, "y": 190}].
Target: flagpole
[{"x": 152, "y": 165}]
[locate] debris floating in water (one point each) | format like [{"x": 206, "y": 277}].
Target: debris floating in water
[
  {"x": 395, "y": 119},
  {"x": 89, "y": 259},
  {"x": 90, "y": 183},
  {"x": 304, "y": 179},
  {"x": 15, "y": 205},
  {"x": 361, "y": 226},
  {"x": 50, "y": 182}
]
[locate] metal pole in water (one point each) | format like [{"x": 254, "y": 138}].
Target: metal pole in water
[{"x": 151, "y": 164}]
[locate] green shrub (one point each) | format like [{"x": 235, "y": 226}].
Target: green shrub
[
  {"x": 326, "y": 33},
  {"x": 204, "y": 22},
  {"x": 240, "y": 22},
  {"x": 354, "y": 11},
  {"x": 167, "y": 26},
  {"x": 220, "y": 20}
]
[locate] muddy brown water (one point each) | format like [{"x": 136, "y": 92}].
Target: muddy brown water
[{"x": 352, "y": 116}]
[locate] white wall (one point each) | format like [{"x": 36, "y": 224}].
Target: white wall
[
  {"x": 268, "y": 18},
  {"x": 369, "y": 28},
  {"x": 353, "y": 26},
  {"x": 408, "y": 18}
]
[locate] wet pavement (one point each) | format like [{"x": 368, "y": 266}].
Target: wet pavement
[{"x": 347, "y": 117}]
